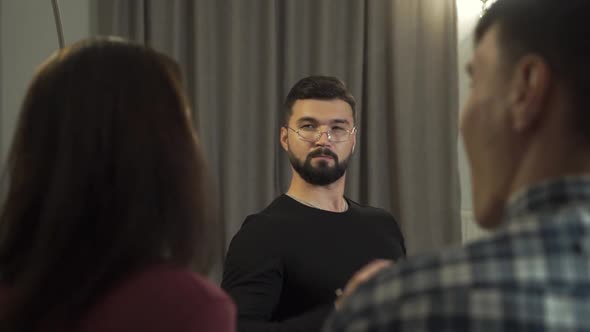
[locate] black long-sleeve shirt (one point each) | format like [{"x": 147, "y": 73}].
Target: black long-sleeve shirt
[{"x": 286, "y": 262}]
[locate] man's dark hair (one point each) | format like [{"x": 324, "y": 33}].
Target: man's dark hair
[
  {"x": 318, "y": 87},
  {"x": 557, "y": 31},
  {"x": 105, "y": 177}
]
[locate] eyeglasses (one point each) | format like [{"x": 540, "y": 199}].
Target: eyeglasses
[{"x": 312, "y": 134}]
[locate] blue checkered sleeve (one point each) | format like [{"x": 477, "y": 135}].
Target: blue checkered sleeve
[{"x": 532, "y": 275}]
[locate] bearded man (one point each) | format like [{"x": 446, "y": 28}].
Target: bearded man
[{"x": 286, "y": 266}]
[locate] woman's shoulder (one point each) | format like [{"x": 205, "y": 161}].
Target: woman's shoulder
[
  {"x": 171, "y": 279},
  {"x": 164, "y": 297}
]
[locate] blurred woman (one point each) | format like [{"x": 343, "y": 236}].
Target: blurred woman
[{"x": 106, "y": 211}]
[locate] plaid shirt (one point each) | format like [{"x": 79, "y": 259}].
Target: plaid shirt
[{"x": 533, "y": 274}]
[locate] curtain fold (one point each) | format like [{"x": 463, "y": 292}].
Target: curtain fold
[{"x": 240, "y": 58}]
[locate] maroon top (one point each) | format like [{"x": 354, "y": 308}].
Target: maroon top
[{"x": 160, "y": 298}]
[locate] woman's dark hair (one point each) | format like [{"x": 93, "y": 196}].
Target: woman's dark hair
[{"x": 105, "y": 176}]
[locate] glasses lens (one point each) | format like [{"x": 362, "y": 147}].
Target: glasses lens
[
  {"x": 308, "y": 134},
  {"x": 339, "y": 135},
  {"x": 312, "y": 135}
]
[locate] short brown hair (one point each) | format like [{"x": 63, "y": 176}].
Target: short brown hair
[
  {"x": 555, "y": 30},
  {"x": 318, "y": 87}
]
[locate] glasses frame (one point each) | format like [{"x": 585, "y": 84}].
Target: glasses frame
[{"x": 319, "y": 134}]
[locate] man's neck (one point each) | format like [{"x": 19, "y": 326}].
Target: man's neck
[
  {"x": 329, "y": 197},
  {"x": 551, "y": 159}
]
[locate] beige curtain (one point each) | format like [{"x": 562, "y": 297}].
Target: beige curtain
[{"x": 241, "y": 57}]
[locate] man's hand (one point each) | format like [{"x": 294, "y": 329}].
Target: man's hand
[{"x": 360, "y": 276}]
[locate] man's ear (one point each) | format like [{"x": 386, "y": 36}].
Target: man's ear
[
  {"x": 529, "y": 88},
  {"x": 354, "y": 139},
  {"x": 284, "y": 136}
]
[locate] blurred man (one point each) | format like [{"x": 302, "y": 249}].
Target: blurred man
[
  {"x": 287, "y": 264},
  {"x": 526, "y": 127}
]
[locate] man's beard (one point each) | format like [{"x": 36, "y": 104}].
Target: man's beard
[{"x": 322, "y": 174}]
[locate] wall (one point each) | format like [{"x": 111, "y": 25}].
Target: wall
[
  {"x": 468, "y": 13},
  {"x": 27, "y": 37}
]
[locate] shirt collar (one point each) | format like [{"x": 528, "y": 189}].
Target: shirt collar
[{"x": 549, "y": 195}]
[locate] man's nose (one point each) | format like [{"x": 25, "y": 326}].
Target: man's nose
[{"x": 323, "y": 139}]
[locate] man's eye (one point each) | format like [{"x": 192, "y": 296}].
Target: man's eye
[{"x": 307, "y": 127}]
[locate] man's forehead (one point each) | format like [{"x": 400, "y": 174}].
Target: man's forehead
[
  {"x": 321, "y": 110},
  {"x": 486, "y": 49},
  {"x": 335, "y": 103}
]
